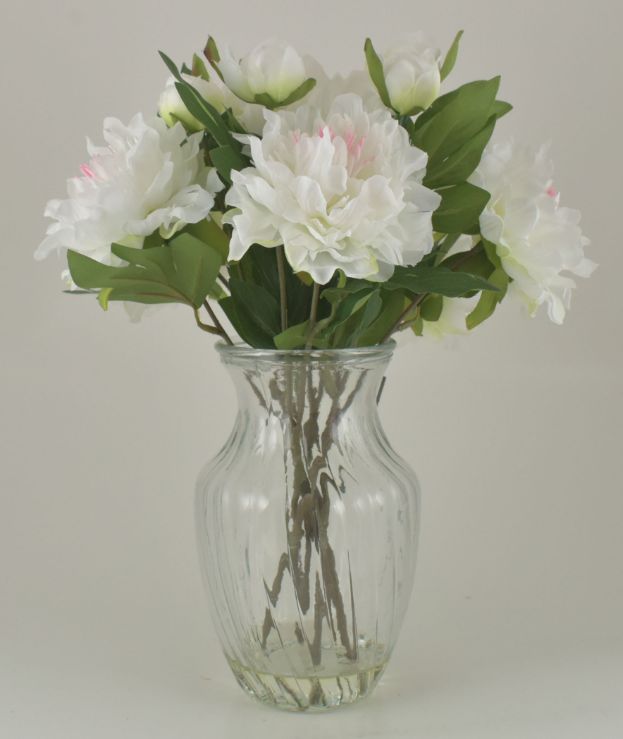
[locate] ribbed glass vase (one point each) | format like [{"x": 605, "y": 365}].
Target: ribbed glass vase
[{"x": 307, "y": 525}]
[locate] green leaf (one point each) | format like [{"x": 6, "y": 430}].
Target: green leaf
[
  {"x": 208, "y": 116},
  {"x": 500, "y": 108},
  {"x": 211, "y": 234},
  {"x": 450, "y": 60},
  {"x": 453, "y": 119},
  {"x": 225, "y": 158},
  {"x": 301, "y": 91},
  {"x": 259, "y": 304},
  {"x": 393, "y": 306},
  {"x": 460, "y": 209},
  {"x": 431, "y": 307},
  {"x": 375, "y": 69},
  {"x": 211, "y": 52},
  {"x": 294, "y": 337},
  {"x": 196, "y": 267},
  {"x": 245, "y": 326},
  {"x": 182, "y": 272},
  {"x": 489, "y": 300},
  {"x": 439, "y": 280},
  {"x": 459, "y": 166}
]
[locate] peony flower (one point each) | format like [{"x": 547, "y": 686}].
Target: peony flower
[
  {"x": 273, "y": 68},
  {"x": 341, "y": 191},
  {"x": 148, "y": 177},
  {"x": 538, "y": 242},
  {"x": 412, "y": 74},
  {"x": 172, "y": 109}
]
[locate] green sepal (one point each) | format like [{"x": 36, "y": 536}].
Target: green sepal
[
  {"x": 376, "y": 72},
  {"x": 451, "y": 56}
]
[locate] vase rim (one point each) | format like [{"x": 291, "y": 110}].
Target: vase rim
[{"x": 244, "y": 351}]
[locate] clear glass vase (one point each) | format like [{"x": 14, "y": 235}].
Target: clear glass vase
[{"x": 307, "y": 525}]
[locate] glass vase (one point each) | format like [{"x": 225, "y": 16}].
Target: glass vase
[{"x": 307, "y": 526}]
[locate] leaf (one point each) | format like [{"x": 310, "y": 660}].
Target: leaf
[
  {"x": 500, "y": 108},
  {"x": 453, "y": 119},
  {"x": 393, "y": 306},
  {"x": 430, "y": 309},
  {"x": 375, "y": 69},
  {"x": 183, "y": 271},
  {"x": 298, "y": 94},
  {"x": 211, "y": 234},
  {"x": 207, "y": 115},
  {"x": 450, "y": 60},
  {"x": 196, "y": 267},
  {"x": 259, "y": 305},
  {"x": 225, "y": 158},
  {"x": 459, "y": 166},
  {"x": 439, "y": 280},
  {"x": 245, "y": 326},
  {"x": 460, "y": 209},
  {"x": 489, "y": 301},
  {"x": 294, "y": 337}
]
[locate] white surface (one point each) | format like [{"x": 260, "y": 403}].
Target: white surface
[{"x": 516, "y": 626}]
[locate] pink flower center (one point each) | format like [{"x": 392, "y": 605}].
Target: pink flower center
[
  {"x": 87, "y": 171},
  {"x": 552, "y": 191}
]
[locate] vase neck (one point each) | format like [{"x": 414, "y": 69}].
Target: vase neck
[{"x": 299, "y": 386}]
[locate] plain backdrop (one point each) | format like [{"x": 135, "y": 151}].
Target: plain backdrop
[{"x": 515, "y": 629}]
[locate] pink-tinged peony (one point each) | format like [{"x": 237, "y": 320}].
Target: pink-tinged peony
[
  {"x": 539, "y": 242},
  {"x": 339, "y": 191}
]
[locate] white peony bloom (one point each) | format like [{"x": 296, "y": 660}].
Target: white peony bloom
[
  {"x": 341, "y": 191},
  {"x": 412, "y": 74},
  {"x": 451, "y": 321},
  {"x": 272, "y": 68},
  {"x": 171, "y": 107},
  {"x": 148, "y": 177},
  {"x": 538, "y": 242}
]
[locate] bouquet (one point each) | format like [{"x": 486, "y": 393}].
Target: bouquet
[{"x": 300, "y": 210}]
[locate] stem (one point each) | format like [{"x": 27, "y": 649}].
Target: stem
[
  {"x": 313, "y": 314},
  {"x": 283, "y": 296},
  {"x": 413, "y": 304},
  {"x": 206, "y": 326},
  {"x": 217, "y": 323}
]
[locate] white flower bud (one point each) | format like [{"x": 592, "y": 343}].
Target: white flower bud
[
  {"x": 172, "y": 109},
  {"x": 412, "y": 74},
  {"x": 273, "y": 68}
]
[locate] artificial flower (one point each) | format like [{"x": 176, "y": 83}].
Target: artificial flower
[
  {"x": 214, "y": 91},
  {"x": 412, "y": 74},
  {"x": 341, "y": 191},
  {"x": 148, "y": 177},
  {"x": 539, "y": 242},
  {"x": 272, "y": 68}
]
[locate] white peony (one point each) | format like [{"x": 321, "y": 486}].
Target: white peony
[
  {"x": 214, "y": 90},
  {"x": 148, "y": 177},
  {"x": 412, "y": 74},
  {"x": 273, "y": 67},
  {"x": 538, "y": 242},
  {"x": 339, "y": 192}
]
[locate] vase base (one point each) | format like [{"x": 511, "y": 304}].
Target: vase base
[{"x": 314, "y": 693}]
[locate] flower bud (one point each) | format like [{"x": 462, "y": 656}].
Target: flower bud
[
  {"x": 412, "y": 74},
  {"x": 172, "y": 109},
  {"x": 272, "y": 69}
]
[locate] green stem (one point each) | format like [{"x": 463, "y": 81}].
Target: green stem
[
  {"x": 206, "y": 326},
  {"x": 283, "y": 296},
  {"x": 217, "y": 323},
  {"x": 313, "y": 314}
]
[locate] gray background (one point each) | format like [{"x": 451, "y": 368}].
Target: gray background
[{"x": 515, "y": 629}]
